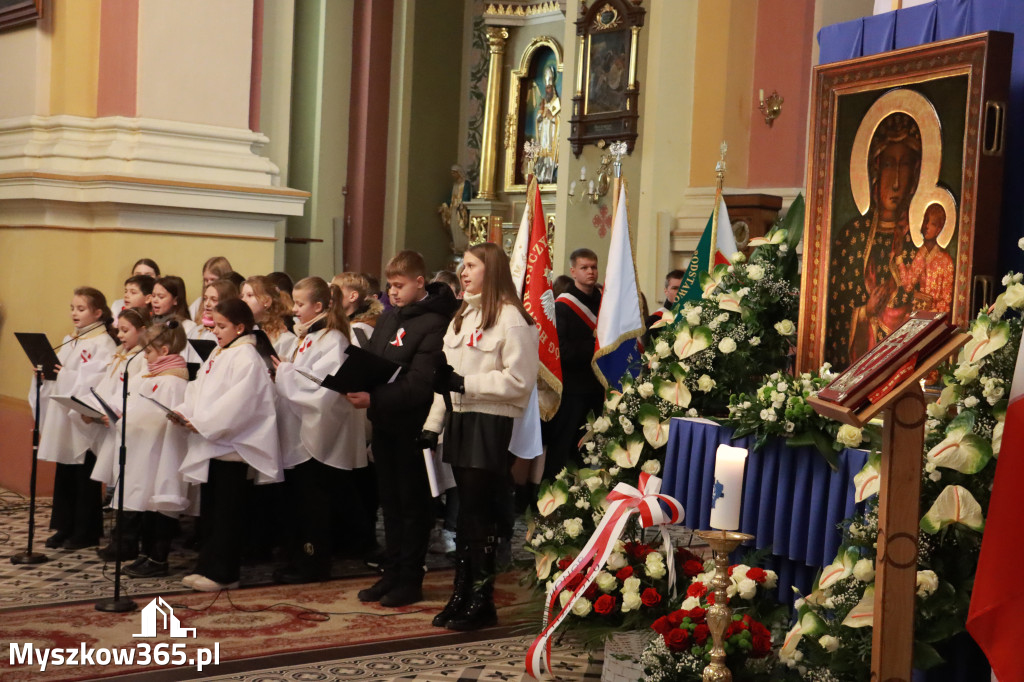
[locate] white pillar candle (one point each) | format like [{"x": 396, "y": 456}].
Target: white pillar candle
[{"x": 728, "y": 487}]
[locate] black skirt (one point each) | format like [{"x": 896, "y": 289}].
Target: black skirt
[{"x": 474, "y": 440}]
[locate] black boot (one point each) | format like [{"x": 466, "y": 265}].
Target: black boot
[
  {"x": 480, "y": 612},
  {"x": 461, "y": 591},
  {"x": 380, "y": 588},
  {"x": 409, "y": 589}
]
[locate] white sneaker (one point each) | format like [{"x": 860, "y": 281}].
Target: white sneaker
[
  {"x": 442, "y": 541},
  {"x": 204, "y": 584},
  {"x": 189, "y": 579}
]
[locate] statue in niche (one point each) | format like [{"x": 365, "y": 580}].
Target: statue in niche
[
  {"x": 454, "y": 213},
  {"x": 546, "y": 166}
]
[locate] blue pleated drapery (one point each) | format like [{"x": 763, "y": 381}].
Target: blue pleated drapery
[
  {"x": 942, "y": 20},
  {"x": 792, "y": 501}
]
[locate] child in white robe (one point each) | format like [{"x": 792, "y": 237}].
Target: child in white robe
[
  {"x": 144, "y": 267},
  {"x": 131, "y": 323},
  {"x": 267, "y": 306},
  {"x": 213, "y": 293},
  {"x": 100, "y": 435},
  {"x": 77, "y": 514},
  {"x": 154, "y": 492},
  {"x": 213, "y": 269},
  {"x": 322, "y": 435},
  {"x": 168, "y": 302},
  {"x": 230, "y": 410}
]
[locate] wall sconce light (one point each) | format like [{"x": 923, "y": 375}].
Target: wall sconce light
[
  {"x": 597, "y": 187},
  {"x": 771, "y": 107}
]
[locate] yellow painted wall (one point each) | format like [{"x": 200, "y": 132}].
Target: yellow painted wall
[
  {"x": 39, "y": 269},
  {"x": 74, "y": 74},
  {"x": 195, "y": 61},
  {"x": 19, "y": 85},
  {"x": 724, "y": 69}
]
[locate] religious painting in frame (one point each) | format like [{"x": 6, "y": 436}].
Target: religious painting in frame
[
  {"x": 904, "y": 183},
  {"x": 17, "y": 12},
  {"x": 534, "y": 115},
  {"x": 604, "y": 106}
]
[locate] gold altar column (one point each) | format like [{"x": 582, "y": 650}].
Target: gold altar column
[{"x": 496, "y": 37}]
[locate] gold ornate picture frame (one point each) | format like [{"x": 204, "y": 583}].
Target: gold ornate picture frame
[
  {"x": 604, "y": 105},
  {"x": 534, "y": 114},
  {"x": 899, "y": 140},
  {"x": 17, "y": 12}
]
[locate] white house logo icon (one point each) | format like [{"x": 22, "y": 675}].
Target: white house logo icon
[{"x": 171, "y": 624}]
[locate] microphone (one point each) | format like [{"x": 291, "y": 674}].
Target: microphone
[{"x": 75, "y": 337}]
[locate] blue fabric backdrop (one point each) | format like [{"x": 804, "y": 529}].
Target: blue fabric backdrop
[
  {"x": 941, "y": 20},
  {"x": 792, "y": 501}
]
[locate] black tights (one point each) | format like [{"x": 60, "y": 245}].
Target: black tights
[{"x": 483, "y": 504}]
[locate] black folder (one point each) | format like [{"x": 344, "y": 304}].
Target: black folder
[
  {"x": 40, "y": 352},
  {"x": 203, "y": 347},
  {"x": 360, "y": 372}
]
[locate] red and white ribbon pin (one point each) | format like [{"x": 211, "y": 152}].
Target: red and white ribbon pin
[
  {"x": 474, "y": 338},
  {"x": 399, "y": 335}
]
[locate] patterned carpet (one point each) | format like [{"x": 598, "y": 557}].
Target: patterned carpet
[
  {"x": 496, "y": 659},
  {"x": 266, "y": 632},
  {"x": 79, "y": 576}
]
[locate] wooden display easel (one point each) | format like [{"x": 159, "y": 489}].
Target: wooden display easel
[{"x": 892, "y": 640}]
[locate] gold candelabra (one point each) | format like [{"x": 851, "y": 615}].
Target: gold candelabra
[{"x": 719, "y": 616}]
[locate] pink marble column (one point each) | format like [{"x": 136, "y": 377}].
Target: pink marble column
[{"x": 368, "y": 135}]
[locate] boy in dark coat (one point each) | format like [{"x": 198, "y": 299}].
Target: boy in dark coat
[{"x": 409, "y": 334}]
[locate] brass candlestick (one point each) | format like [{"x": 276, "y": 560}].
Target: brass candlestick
[{"x": 719, "y": 616}]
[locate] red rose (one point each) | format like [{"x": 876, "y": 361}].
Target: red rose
[
  {"x": 638, "y": 550},
  {"x": 683, "y": 555},
  {"x": 701, "y": 634},
  {"x": 662, "y": 625},
  {"x": 695, "y": 614},
  {"x": 711, "y": 598},
  {"x": 574, "y": 582},
  {"x": 605, "y": 604},
  {"x": 677, "y": 639},
  {"x": 762, "y": 645},
  {"x": 758, "y": 575},
  {"x": 731, "y": 569},
  {"x": 757, "y": 628},
  {"x": 624, "y": 572},
  {"x": 735, "y": 628},
  {"x": 696, "y": 589},
  {"x": 650, "y": 597},
  {"x": 676, "y": 617},
  {"x": 693, "y": 567},
  {"x": 564, "y": 562},
  {"x": 591, "y": 592}
]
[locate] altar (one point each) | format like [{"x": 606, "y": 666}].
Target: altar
[{"x": 792, "y": 500}]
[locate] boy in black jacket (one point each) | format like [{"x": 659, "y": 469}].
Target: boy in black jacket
[{"x": 410, "y": 334}]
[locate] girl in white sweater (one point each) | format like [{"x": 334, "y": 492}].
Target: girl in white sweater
[{"x": 491, "y": 348}]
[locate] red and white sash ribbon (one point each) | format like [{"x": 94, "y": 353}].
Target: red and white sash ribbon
[
  {"x": 578, "y": 307},
  {"x": 474, "y": 338},
  {"x": 624, "y": 501},
  {"x": 399, "y": 335}
]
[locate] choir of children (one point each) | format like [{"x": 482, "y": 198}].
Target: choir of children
[{"x": 239, "y": 423}]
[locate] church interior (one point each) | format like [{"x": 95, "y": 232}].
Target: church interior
[{"x": 319, "y": 137}]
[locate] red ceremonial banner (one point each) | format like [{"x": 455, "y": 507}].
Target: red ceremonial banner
[{"x": 539, "y": 301}]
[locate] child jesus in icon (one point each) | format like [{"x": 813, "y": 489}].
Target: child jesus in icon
[{"x": 931, "y": 272}]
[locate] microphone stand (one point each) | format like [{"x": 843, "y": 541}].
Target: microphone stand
[
  {"x": 118, "y": 603},
  {"x": 28, "y": 556}
]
